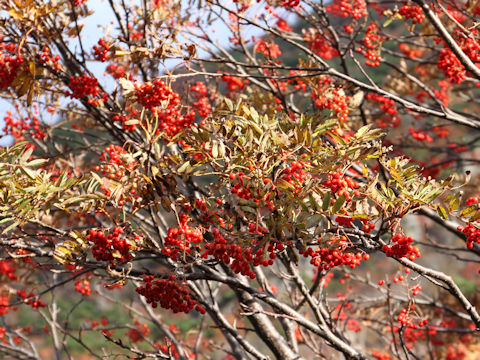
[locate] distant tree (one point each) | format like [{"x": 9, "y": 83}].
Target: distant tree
[{"x": 295, "y": 195}]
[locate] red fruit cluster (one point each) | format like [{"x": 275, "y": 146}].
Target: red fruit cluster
[
  {"x": 472, "y": 200},
  {"x": 328, "y": 258},
  {"x": 180, "y": 240},
  {"x": 202, "y": 105},
  {"x": 244, "y": 188},
  {"x": 451, "y": 67},
  {"x": 112, "y": 246},
  {"x": 391, "y": 118},
  {"x": 472, "y": 234},
  {"x": 411, "y": 11},
  {"x": 170, "y": 294},
  {"x": 295, "y": 174},
  {"x": 123, "y": 119},
  {"x": 170, "y": 349},
  {"x": 268, "y": 49},
  {"x": 83, "y": 287},
  {"x": 100, "y": 51},
  {"x": 319, "y": 44},
  {"x": 153, "y": 94},
  {"x": 241, "y": 259},
  {"x": 83, "y": 87},
  {"x": 165, "y": 103},
  {"x": 283, "y": 25},
  {"x": 30, "y": 299},
  {"x": 333, "y": 99},
  {"x": 79, "y": 2},
  {"x": 455, "y": 353},
  {"x": 22, "y": 127},
  {"x": 116, "y": 155},
  {"x": 8, "y": 269},
  {"x": 117, "y": 71},
  {"x": 342, "y": 185},
  {"x": 406, "y": 321},
  {"x": 10, "y": 64},
  {"x": 118, "y": 164},
  {"x": 380, "y": 356},
  {"x": 47, "y": 59},
  {"x": 4, "y": 308},
  {"x": 348, "y": 8},
  {"x": 420, "y": 135},
  {"x": 234, "y": 83},
  {"x": 371, "y": 48},
  {"x": 138, "y": 334},
  {"x": 402, "y": 247},
  {"x": 297, "y": 83},
  {"x": 289, "y": 3}
]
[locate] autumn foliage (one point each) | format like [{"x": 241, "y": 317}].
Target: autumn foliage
[{"x": 245, "y": 179}]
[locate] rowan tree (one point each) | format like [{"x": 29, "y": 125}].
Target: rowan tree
[{"x": 307, "y": 192}]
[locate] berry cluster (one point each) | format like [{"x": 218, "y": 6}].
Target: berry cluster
[
  {"x": 347, "y": 8},
  {"x": 289, "y": 3},
  {"x": 45, "y": 58},
  {"x": 117, "y": 71},
  {"x": 346, "y": 221},
  {"x": 283, "y": 25},
  {"x": 83, "y": 287},
  {"x": 472, "y": 234},
  {"x": 246, "y": 189},
  {"x": 202, "y": 105},
  {"x": 22, "y": 127},
  {"x": 295, "y": 174},
  {"x": 30, "y": 299},
  {"x": 241, "y": 259},
  {"x": 83, "y": 87},
  {"x": 100, "y": 51},
  {"x": 138, "y": 334},
  {"x": 372, "y": 42},
  {"x": 391, "y": 118},
  {"x": 165, "y": 103},
  {"x": 156, "y": 93},
  {"x": 112, "y": 247},
  {"x": 405, "y": 320},
  {"x": 402, "y": 247},
  {"x": 169, "y": 294},
  {"x": 411, "y": 11},
  {"x": 342, "y": 185},
  {"x": 9, "y": 64},
  {"x": 180, "y": 240},
  {"x": 123, "y": 119},
  {"x": 451, "y": 67},
  {"x": 297, "y": 83},
  {"x": 170, "y": 349},
  {"x": 333, "y": 99},
  {"x": 234, "y": 83},
  {"x": 268, "y": 49},
  {"x": 4, "y": 308},
  {"x": 8, "y": 269},
  {"x": 472, "y": 200},
  {"x": 120, "y": 164},
  {"x": 327, "y": 258},
  {"x": 319, "y": 44},
  {"x": 420, "y": 135}
]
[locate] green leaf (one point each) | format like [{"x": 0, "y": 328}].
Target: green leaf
[
  {"x": 441, "y": 212},
  {"x": 184, "y": 167},
  {"x": 326, "y": 201},
  {"x": 454, "y": 204},
  {"x": 338, "y": 204},
  {"x": 469, "y": 211}
]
